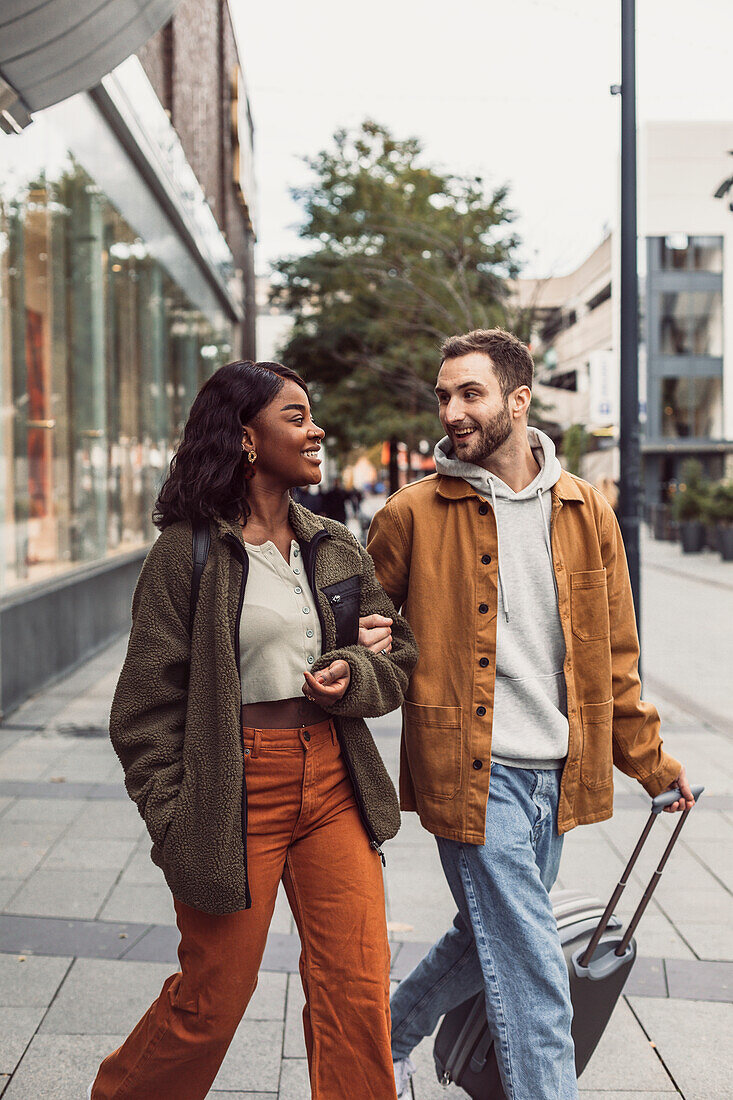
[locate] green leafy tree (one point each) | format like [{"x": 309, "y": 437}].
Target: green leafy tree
[{"x": 401, "y": 255}]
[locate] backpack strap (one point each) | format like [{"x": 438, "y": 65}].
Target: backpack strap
[{"x": 201, "y": 536}]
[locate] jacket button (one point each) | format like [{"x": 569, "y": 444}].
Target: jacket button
[
  {"x": 478, "y": 765},
  {"x": 306, "y": 735},
  {"x": 483, "y": 509},
  {"x": 483, "y": 608},
  {"x": 484, "y": 662},
  {"x": 481, "y": 711},
  {"x": 486, "y": 559}
]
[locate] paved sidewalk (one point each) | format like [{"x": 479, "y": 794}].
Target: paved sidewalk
[{"x": 86, "y": 922}]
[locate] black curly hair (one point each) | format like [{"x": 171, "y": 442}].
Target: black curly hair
[{"x": 207, "y": 474}]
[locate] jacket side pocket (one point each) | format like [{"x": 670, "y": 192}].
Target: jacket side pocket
[
  {"x": 596, "y": 765},
  {"x": 434, "y": 747},
  {"x": 343, "y": 599}
]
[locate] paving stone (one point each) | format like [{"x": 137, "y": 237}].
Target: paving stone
[
  {"x": 54, "y": 936},
  {"x": 8, "y": 886},
  {"x": 158, "y": 944},
  {"x": 624, "y": 1058},
  {"x": 252, "y": 1061},
  {"x": 23, "y": 762},
  {"x": 108, "y": 820},
  {"x": 281, "y": 953},
  {"x": 405, "y": 882},
  {"x": 88, "y": 855},
  {"x": 140, "y": 869},
  {"x": 657, "y": 937},
  {"x": 406, "y": 956},
  {"x": 293, "y": 1042},
  {"x": 20, "y": 860},
  {"x": 704, "y": 981},
  {"x": 704, "y": 906},
  {"x": 647, "y": 978},
  {"x": 30, "y": 981},
  {"x": 694, "y": 1040},
  {"x": 102, "y": 996},
  {"x": 708, "y": 941},
  {"x": 5, "y": 802},
  {"x": 19, "y": 1027},
  {"x": 294, "y": 1080},
  {"x": 45, "y": 809},
  {"x": 268, "y": 1000},
  {"x": 39, "y": 834},
  {"x": 594, "y": 1094},
  {"x": 148, "y": 904},
  {"x": 60, "y": 1067},
  {"x": 282, "y": 919},
  {"x": 63, "y": 893},
  {"x": 4, "y": 1082}
]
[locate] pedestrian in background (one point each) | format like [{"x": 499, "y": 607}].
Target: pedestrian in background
[
  {"x": 513, "y": 576},
  {"x": 244, "y": 746}
]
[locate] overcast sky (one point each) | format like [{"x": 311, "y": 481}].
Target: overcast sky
[{"x": 516, "y": 91}]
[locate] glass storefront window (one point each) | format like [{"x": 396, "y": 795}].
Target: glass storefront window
[
  {"x": 101, "y": 355},
  {"x": 678, "y": 252},
  {"x": 692, "y": 408},
  {"x": 691, "y": 323}
]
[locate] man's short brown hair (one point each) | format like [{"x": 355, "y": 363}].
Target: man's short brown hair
[{"x": 511, "y": 358}]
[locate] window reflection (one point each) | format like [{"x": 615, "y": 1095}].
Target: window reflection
[
  {"x": 101, "y": 355},
  {"x": 691, "y": 323},
  {"x": 678, "y": 252},
  {"x": 692, "y": 407}
]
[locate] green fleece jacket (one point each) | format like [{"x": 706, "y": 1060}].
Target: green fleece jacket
[{"x": 175, "y": 721}]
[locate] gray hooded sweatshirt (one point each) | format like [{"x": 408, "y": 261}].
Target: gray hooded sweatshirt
[{"x": 530, "y": 726}]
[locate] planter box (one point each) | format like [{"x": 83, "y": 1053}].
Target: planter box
[
  {"x": 712, "y": 536},
  {"x": 725, "y": 542},
  {"x": 692, "y": 536}
]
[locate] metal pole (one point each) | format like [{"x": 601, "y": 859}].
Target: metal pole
[{"x": 629, "y": 441}]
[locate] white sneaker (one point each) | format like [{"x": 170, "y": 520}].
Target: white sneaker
[{"x": 403, "y": 1071}]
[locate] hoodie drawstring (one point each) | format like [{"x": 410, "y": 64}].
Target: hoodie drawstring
[
  {"x": 548, "y": 542},
  {"x": 502, "y": 586}
]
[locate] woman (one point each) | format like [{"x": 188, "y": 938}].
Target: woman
[{"x": 245, "y": 749}]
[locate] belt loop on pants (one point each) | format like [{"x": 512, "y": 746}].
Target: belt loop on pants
[{"x": 257, "y": 740}]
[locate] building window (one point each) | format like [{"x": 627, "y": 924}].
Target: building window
[
  {"x": 691, "y": 323},
  {"x": 678, "y": 252},
  {"x": 692, "y": 407},
  {"x": 101, "y": 355}
]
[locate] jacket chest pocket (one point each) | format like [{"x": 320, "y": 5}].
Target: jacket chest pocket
[
  {"x": 343, "y": 599},
  {"x": 589, "y": 604}
]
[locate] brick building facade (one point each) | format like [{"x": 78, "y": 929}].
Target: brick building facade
[{"x": 200, "y": 101}]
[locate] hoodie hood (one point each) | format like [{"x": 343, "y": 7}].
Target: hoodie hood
[{"x": 481, "y": 480}]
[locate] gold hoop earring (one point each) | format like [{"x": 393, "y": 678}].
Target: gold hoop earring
[{"x": 252, "y": 456}]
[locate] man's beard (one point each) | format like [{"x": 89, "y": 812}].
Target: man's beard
[{"x": 486, "y": 439}]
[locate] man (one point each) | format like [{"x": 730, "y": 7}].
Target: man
[{"x": 513, "y": 576}]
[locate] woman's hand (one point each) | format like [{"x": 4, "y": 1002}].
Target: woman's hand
[
  {"x": 329, "y": 685},
  {"x": 375, "y": 633}
]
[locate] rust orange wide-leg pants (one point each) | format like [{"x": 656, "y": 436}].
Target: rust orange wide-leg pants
[{"x": 303, "y": 828}]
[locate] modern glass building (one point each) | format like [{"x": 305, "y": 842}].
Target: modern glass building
[{"x": 118, "y": 297}]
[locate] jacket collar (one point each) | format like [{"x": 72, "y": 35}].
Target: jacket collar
[
  {"x": 455, "y": 488},
  {"x": 305, "y": 524}
]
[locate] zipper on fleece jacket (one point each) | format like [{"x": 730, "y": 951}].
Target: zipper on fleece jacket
[
  {"x": 244, "y": 560},
  {"x": 310, "y": 566}
]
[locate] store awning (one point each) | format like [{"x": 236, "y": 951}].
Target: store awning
[{"x": 52, "y": 49}]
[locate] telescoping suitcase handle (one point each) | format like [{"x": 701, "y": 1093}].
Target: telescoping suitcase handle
[{"x": 667, "y": 798}]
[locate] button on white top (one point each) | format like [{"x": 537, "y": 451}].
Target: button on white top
[{"x": 298, "y": 589}]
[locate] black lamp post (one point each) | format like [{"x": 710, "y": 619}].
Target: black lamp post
[{"x": 629, "y": 428}]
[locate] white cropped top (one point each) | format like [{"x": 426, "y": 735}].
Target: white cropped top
[{"x": 279, "y": 633}]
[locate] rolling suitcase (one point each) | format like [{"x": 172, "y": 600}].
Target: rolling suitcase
[{"x": 599, "y": 956}]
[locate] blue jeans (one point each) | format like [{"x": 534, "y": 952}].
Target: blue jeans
[{"x": 504, "y": 939}]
